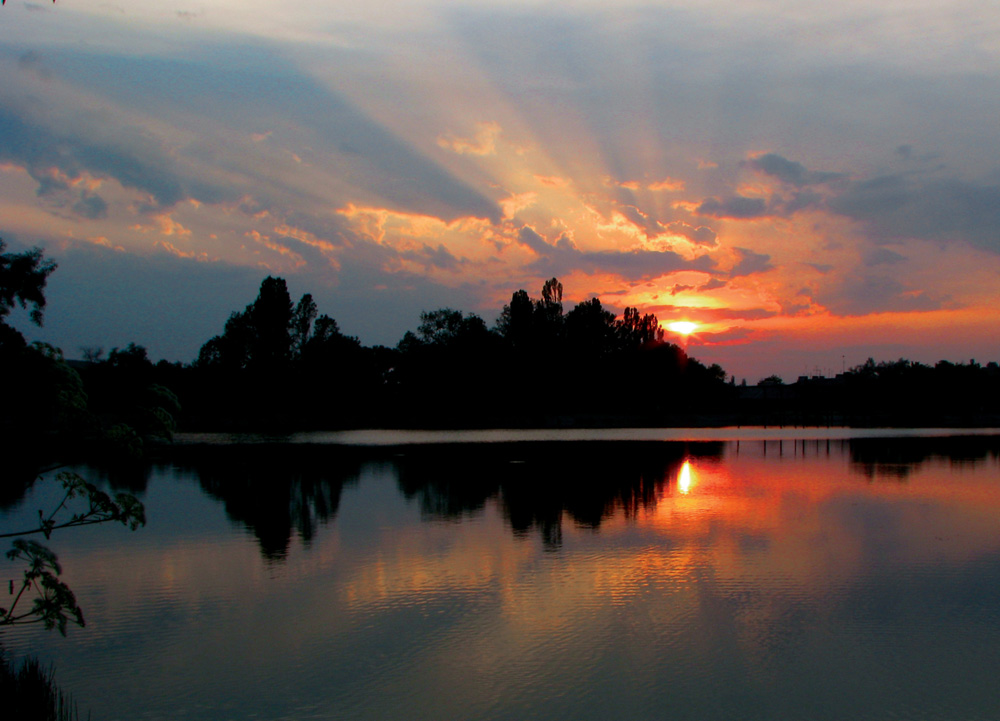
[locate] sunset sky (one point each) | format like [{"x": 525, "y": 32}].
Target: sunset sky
[{"x": 813, "y": 183}]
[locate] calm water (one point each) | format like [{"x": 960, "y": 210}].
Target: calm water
[{"x": 751, "y": 579}]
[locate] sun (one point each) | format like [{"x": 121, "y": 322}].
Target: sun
[{"x": 682, "y": 327}]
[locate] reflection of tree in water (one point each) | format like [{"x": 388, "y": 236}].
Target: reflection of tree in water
[
  {"x": 18, "y": 478},
  {"x": 539, "y": 484},
  {"x": 274, "y": 490},
  {"x": 897, "y": 458}
]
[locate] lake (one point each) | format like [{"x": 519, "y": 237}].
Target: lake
[{"x": 757, "y": 575}]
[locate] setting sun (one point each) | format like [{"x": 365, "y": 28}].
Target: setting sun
[{"x": 682, "y": 327}]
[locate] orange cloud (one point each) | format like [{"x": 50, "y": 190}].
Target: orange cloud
[
  {"x": 671, "y": 185},
  {"x": 164, "y": 224},
  {"x": 483, "y": 142}
]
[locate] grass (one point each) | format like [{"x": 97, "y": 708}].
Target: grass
[{"x": 28, "y": 692}]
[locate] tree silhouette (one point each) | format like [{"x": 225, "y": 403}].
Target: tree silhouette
[
  {"x": 301, "y": 323},
  {"x": 515, "y": 323},
  {"x": 261, "y": 337},
  {"x": 590, "y": 330},
  {"x": 22, "y": 282}
]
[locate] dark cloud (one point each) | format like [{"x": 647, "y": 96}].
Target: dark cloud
[
  {"x": 428, "y": 256},
  {"x": 735, "y": 206},
  {"x": 640, "y": 219},
  {"x": 750, "y": 263},
  {"x": 529, "y": 236},
  {"x": 135, "y": 161},
  {"x": 802, "y": 200},
  {"x": 823, "y": 268},
  {"x": 876, "y": 294},
  {"x": 883, "y": 256},
  {"x": 713, "y": 284},
  {"x": 700, "y": 235},
  {"x": 91, "y": 206},
  {"x": 898, "y": 207},
  {"x": 789, "y": 171}
]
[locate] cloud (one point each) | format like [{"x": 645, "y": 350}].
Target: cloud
[
  {"x": 867, "y": 294},
  {"x": 163, "y": 223},
  {"x": 899, "y": 207},
  {"x": 707, "y": 315},
  {"x": 739, "y": 335},
  {"x": 439, "y": 257},
  {"x": 514, "y": 204},
  {"x": 802, "y": 200},
  {"x": 670, "y": 185},
  {"x": 91, "y": 206},
  {"x": 883, "y": 256},
  {"x": 735, "y": 207},
  {"x": 713, "y": 284},
  {"x": 552, "y": 181},
  {"x": 626, "y": 184},
  {"x": 205, "y": 156},
  {"x": 750, "y": 263},
  {"x": 789, "y": 171},
  {"x": 483, "y": 142},
  {"x": 562, "y": 259},
  {"x": 700, "y": 235}
]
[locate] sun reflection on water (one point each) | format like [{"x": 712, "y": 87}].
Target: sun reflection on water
[{"x": 684, "y": 478}]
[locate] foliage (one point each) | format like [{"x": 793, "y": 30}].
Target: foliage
[
  {"x": 22, "y": 281},
  {"x": 54, "y": 603},
  {"x": 771, "y": 380}
]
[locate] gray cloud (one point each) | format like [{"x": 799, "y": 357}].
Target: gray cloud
[
  {"x": 883, "y": 256},
  {"x": 802, "y": 200},
  {"x": 91, "y": 206},
  {"x": 735, "y": 207},
  {"x": 439, "y": 257},
  {"x": 750, "y": 263},
  {"x": 875, "y": 294},
  {"x": 823, "y": 268},
  {"x": 700, "y": 235},
  {"x": 642, "y": 220},
  {"x": 790, "y": 171},
  {"x": 901, "y": 207},
  {"x": 144, "y": 166},
  {"x": 713, "y": 284}
]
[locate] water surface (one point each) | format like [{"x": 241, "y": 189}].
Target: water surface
[{"x": 752, "y": 579}]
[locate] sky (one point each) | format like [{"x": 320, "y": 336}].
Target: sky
[{"x": 812, "y": 183}]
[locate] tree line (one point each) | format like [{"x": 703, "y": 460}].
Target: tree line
[
  {"x": 282, "y": 362},
  {"x": 279, "y": 364}
]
